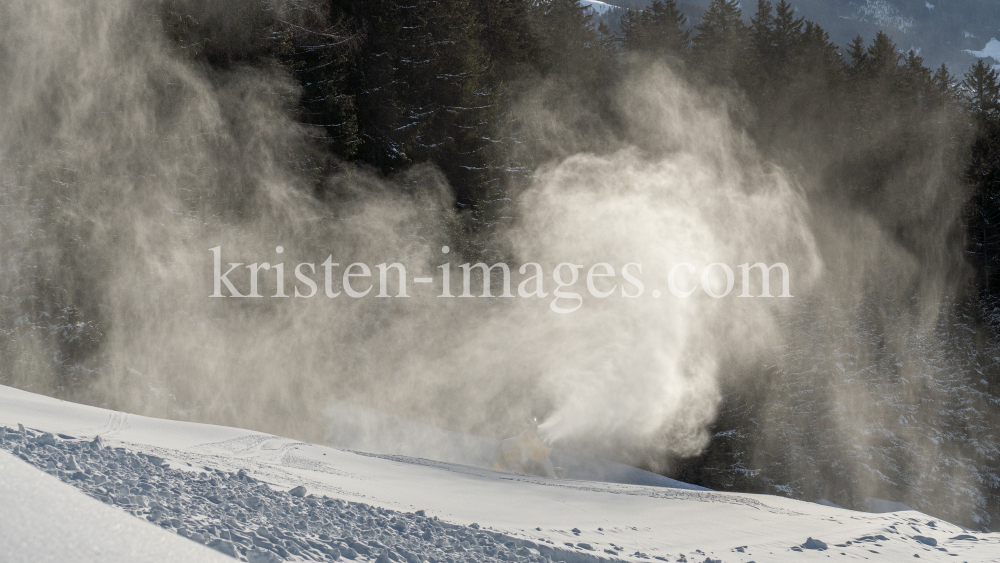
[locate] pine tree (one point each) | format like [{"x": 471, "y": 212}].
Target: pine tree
[
  {"x": 566, "y": 35},
  {"x": 657, "y": 30},
  {"x": 448, "y": 101},
  {"x": 818, "y": 55},
  {"x": 370, "y": 81},
  {"x": 420, "y": 90},
  {"x": 982, "y": 90},
  {"x": 776, "y": 38},
  {"x": 506, "y": 36},
  {"x": 916, "y": 78},
  {"x": 721, "y": 41},
  {"x": 883, "y": 58},
  {"x": 859, "y": 56},
  {"x": 944, "y": 84},
  {"x": 877, "y": 83},
  {"x": 762, "y": 30},
  {"x": 322, "y": 49},
  {"x": 787, "y": 28}
]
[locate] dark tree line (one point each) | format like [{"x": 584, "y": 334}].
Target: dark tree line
[{"x": 391, "y": 84}]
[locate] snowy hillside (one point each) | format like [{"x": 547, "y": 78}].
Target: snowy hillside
[
  {"x": 44, "y": 520},
  {"x": 598, "y": 7},
  {"x": 264, "y": 498},
  {"x": 358, "y": 428}
]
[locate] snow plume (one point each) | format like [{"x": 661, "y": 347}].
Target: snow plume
[
  {"x": 646, "y": 372},
  {"x": 883, "y": 362},
  {"x": 124, "y": 162},
  {"x": 869, "y": 383}
]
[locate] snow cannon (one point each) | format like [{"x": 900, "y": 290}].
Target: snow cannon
[{"x": 526, "y": 453}]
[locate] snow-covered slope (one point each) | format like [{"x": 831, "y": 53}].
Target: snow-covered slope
[
  {"x": 569, "y": 520},
  {"x": 354, "y": 427},
  {"x": 598, "y": 7},
  {"x": 43, "y": 520}
]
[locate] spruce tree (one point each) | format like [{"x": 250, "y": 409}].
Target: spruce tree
[
  {"x": 505, "y": 28},
  {"x": 787, "y": 28},
  {"x": 721, "y": 41},
  {"x": 883, "y": 58},
  {"x": 449, "y": 102},
  {"x": 566, "y": 35},
  {"x": 370, "y": 81},
  {"x": 657, "y": 30},
  {"x": 776, "y": 38},
  {"x": 944, "y": 84},
  {"x": 420, "y": 90},
  {"x": 982, "y": 90},
  {"x": 762, "y": 30},
  {"x": 859, "y": 56},
  {"x": 815, "y": 55},
  {"x": 916, "y": 79}
]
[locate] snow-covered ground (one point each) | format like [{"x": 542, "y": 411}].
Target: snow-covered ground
[
  {"x": 353, "y": 427},
  {"x": 43, "y": 520},
  {"x": 236, "y": 490}
]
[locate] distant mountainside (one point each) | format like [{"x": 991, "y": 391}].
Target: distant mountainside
[{"x": 953, "y": 32}]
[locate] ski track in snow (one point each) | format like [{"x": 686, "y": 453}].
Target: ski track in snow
[{"x": 612, "y": 488}]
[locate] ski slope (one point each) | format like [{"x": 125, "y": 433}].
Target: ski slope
[
  {"x": 43, "y": 520},
  {"x": 558, "y": 520}
]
